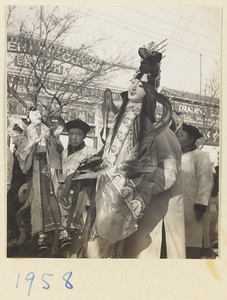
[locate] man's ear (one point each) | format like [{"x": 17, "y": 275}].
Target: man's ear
[{"x": 192, "y": 140}]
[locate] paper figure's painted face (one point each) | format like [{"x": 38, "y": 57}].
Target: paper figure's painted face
[
  {"x": 136, "y": 91},
  {"x": 34, "y": 116}
]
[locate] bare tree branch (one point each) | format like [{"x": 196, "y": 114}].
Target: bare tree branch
[{"x": 42, "y": 67}]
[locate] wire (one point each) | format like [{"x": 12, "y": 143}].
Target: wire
[
  {"x": 141, "y": 33},
  {"x": 154, "y": 18},
  {"x": 169, "y": 43},
  {"x": 194, "y": 21},
  {"x": 146, "y": 29}
]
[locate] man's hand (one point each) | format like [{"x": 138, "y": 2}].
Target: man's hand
[
  {"x": 199, "y": 210},
  {"x": 198, "y": 215}
]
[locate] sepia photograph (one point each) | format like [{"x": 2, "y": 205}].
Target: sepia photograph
[
  {"x": 112, "y": 152},
  {"x": 113, "y": 132}
]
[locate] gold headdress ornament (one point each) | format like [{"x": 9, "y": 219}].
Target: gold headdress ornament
[
  {"x": 152, "y": 49},
  {"x": 151, "y": 57}
]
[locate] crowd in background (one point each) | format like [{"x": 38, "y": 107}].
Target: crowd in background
[{"x": 148, "y": 193}]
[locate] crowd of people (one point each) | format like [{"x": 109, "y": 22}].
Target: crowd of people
[{"x": 148, "y": 193}]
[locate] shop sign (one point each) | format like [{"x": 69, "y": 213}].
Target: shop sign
[
  {"x": 53, "y": 86},
  {"x": 63, "y": 54},
  {"x": 23, "y": 62}
]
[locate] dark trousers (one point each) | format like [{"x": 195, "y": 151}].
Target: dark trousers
[
  {"x": 193, "y": 252},
  {"x": 163, "y": 246}
]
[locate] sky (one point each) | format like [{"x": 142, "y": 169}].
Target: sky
[{"x": 193, "y": 45}]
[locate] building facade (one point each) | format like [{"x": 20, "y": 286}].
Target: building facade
[{"x": 21, "y": 53}]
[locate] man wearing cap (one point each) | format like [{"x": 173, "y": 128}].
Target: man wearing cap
[
  {"x": 73, "y": 197},
  {"x": 197, "y": 181},
  {"x": 77, "y": 149}
]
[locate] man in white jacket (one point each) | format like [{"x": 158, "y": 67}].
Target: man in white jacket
[
  {"x": 73, "y": 208},
  {"x": 197, "y": 182}
]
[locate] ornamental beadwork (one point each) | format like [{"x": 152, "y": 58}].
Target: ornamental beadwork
[
  {"x": 147, "y": 50},
  {"x": 150, "y": 48}
]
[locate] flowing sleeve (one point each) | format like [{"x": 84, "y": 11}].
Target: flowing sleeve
[
  {"x": 166, "y": 160},
  {"x": 54, "y": 148},
  {"x": 118, "y": 206}
]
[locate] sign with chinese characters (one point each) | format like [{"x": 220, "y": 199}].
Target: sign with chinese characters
[{"x": 17, "y": 44}]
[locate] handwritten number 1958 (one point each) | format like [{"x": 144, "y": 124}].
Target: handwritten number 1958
[{"x": 30, "y": 277}]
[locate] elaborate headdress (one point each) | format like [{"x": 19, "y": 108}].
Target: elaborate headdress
[{"x": 150, "y": 64}]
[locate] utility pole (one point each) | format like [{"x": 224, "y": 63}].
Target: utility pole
[{"x": 200, "y": 76}]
